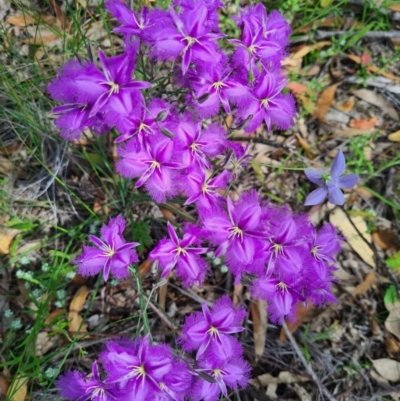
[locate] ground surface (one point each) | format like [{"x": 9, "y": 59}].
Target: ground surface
[{"x": 344, "y": 69}]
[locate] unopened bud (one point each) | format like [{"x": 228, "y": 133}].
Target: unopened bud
[
  {"x": 162, "y": 115},
  {"x": 167, "y": 132},
  {"x": 203, "y": 98},
  {"x": 244, "y": 123}
]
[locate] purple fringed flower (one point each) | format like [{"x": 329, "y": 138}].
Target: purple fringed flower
[
  {"x": 268, "y": 104},
  {"x": 215, "y": 87},
  {"x": 77, "y": 87},
  {"x": 75, "y": 386},
  {"x": 157, "y": 166},
  {"x": 144, "y": 371},
  {"x": 188, "y": 37},
  {"x": 190, "y": 267},
  {"x": 229, "y": 373},
  {"x": 203, "y": 191},
  {"x": 111, "y": 252},
  {"x": 149, "y": 121},
  {"x": 211, "y": 331},
  {"x": 238, "y": 233},
  {"x": 117, "y": 80},
  {"x": 330, "y": 183},
  {"x": 132, "y": 24},
  {"x": 199, "y": 144},
  {"x": 282, "y": 295}
]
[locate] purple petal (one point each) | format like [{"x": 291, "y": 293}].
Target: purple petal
[
  {"x": 316, "y": 197},
  {"x": 348, "y": 181},
  {"x": 335, "y": 195},
  {"x": 172, "y": 234},
  {"x": 338, "y": 165},
  {"x": 314, "y": 175}
]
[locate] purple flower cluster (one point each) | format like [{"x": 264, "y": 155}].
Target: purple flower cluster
[
  {"x": 111, "y": 254},
  {"x": 134, "y": 370},
  {"x": 219, "y": 354},
  {"x": 138, "y": 370},
  {"x": 292, "y": 261},
  {"x": 169, "y": 152}
]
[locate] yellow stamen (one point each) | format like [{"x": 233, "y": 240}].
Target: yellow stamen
[
  {"x": 114, "y": 87},
  {"x": 213, "y": 331},
  {"x": 218, "y": 85},
  {"x": 236, "y": 232},
  {"x": 190, "y": 41},
  {"x": 216, "y": 373},
  {"x": 282, "y": 286},
  {"x": 265, "y": 103},
  {"x": 181, "y": 250},
  {"x": 278, "y": 248}
]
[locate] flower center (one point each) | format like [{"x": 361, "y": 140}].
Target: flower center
[
  {"x": 144, "y": 127},
  {"x": 190, "y": 41},
  {"x": 97, "y": 392},
  {"x": 213, "y": 331},
  {"x": 114, "y": 88},
  {"x": 278, "y": 248},
  {"x": 155, "y": 164},
  {"x": 265, "y": 103},
  {"x": 236, "y": 232},
  {"x": 194, "y": 146},
  {"x": 252, "y": 48},
  {"x": 218, "y": 85},
  {"x": 282, "y": 286},
  {"x": 314, "y": 251},
  {"x": 179, "y": 250},
  {"x": 216, "y": 373},
  {"x": 204, "y": 188},
  {"x": 108, "y": 251},
  {"x": 139, "y": 371},
  {"x": 326, "y": 177}
]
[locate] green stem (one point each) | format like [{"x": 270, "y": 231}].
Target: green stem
[{"x": 142, "y": 301}]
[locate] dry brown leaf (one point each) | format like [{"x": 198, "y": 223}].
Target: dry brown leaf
[
  {"x": 347, "y": 105},
  {"x": 79, "y": 299},
  {"x": 167, "y": 214},
  {"x": 364, "y": 124},
  {"x": 237, "y": 294},
  {"x": 64, "y": 22},
  {"x": 5, "y": 165},
  {"x": 339, "y": 218},
  {"x": 386, "y": 239},
  {"x": 387, "y": 368},
  {"x": 49, "y": 39},
  {"x": 4, "y": 385},
  {"x": 297, "y": 88},
  {"x": 377, "y": 100},
  {"x": 394, "y": 136},
  {"x": 373, "y": 68},
  {"x": 283, "y": 377},
  {"x": 258, "y": 310},
  {"x": 162, "y": 294},
  {"x": 144, "y": 268},
  {"x": 24, "y": 20},
  {"x": 75, "y": 323},
  {"x": 324, "y": 101},
  {"x": 45, "y": 342},
  {"x": 6, "y": 237},
  {"x": 18, "y": 389},
  {"x": 309, "y": 48},
  {"x": 392, "y": 347},
  {"x": 366, "y": 284},
  {"x": 394, "y": 7},
  {"x": 328, "y": 22},
  {"x": 350, "y": 132}
]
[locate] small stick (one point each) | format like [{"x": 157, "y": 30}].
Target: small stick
[{"x": 307, "y": 366}]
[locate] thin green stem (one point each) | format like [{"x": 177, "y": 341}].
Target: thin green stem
[{"x": 142, "y": 301}]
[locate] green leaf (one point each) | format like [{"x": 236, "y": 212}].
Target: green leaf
[
  {"x": 390, "y": 295},
  {"x": 394, "y": 261},
  {"x": 23, "y": 225},
  {"x": 326, "y": 3},
  {"x": 141, "y": 233},
  {"x": 359, "y": 35}
]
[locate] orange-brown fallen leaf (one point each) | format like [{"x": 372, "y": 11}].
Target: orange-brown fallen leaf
[
  {"x": 25, "y": 20},
  {"x": 144, "y": 268},
  {"x": 364, "y": 124},
  {"x": 373, "y": 68},
  {"x": 6, "y": 237},
  {"x": 386, "y": 240},
  {"x": 309, "y": 48},
  {"x": 4, "y": 385},
  {"x": 303, "y": 143},
  {"x": 347, "y": 105},
  {"x": 394, "y": 7},
  {"x": 79, "y": 299},
  {"x": 324, "y": 101},
  {"x": 366, "y": 284}
]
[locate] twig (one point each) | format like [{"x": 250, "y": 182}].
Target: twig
[
  {"x": 377, "y": 82},
  {"x": 306, "y": 365},
  {"x": 260, "y": 140},
  {"x": 329, "y": 34}
]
